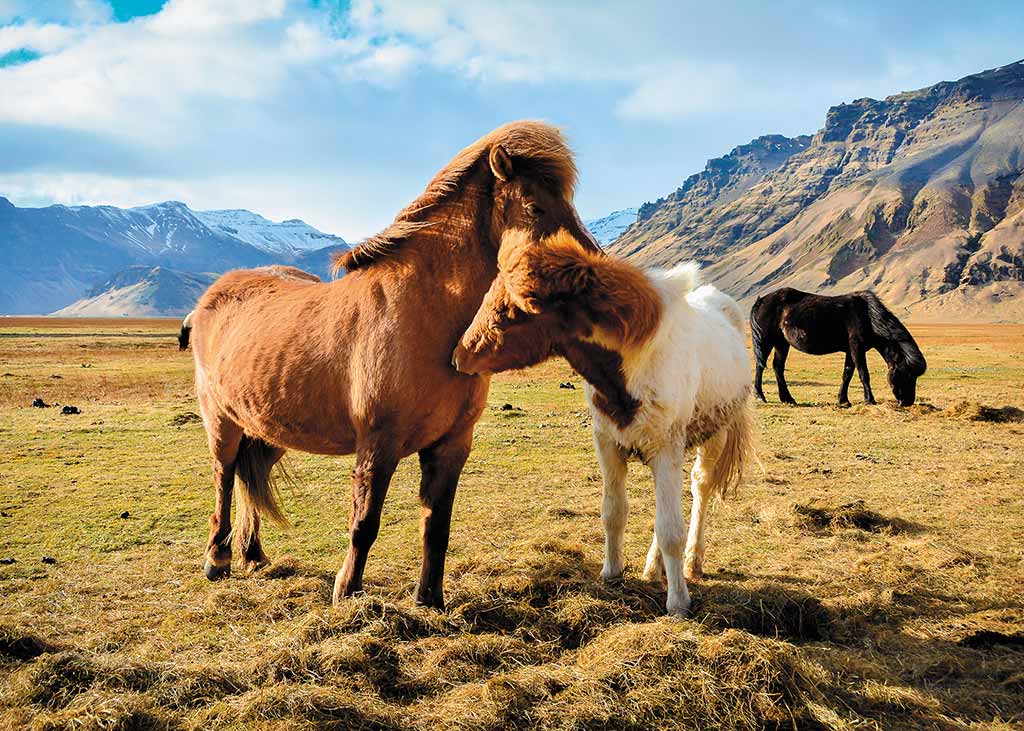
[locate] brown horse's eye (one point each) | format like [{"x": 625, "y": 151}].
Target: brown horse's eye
[{"x": 534, "y": 209}]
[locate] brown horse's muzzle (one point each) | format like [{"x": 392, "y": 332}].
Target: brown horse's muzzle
[{"x": 462, "y": 361}]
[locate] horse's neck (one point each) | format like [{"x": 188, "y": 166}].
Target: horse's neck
[
  {"x": 603, "y": 369},
  {"x": 891, "y": 351},
  {"x": 453, "y": 260}
]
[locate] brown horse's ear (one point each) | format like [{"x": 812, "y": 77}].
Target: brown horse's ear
[{"x": 501, "y": 163}]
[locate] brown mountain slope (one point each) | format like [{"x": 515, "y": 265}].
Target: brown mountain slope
[{"x": 919, "y": 197}]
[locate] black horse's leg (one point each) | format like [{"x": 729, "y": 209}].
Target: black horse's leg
[
  {"x": 758, "y": 376},
  {"x": 844, "y": 388},
  {"x": 440, "y": 465},
  {"x": 865, "y": 377},
  {"x": 761, "y": 352},
  {"x": 779, "y": 366},
  {"x": 762, "y": 348},
  {"x": 370, "y": 483}
]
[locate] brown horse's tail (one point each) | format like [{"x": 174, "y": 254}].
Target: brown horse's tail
[{"x": 257, "y": 493}]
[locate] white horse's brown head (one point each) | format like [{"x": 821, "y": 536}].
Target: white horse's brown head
[{"x": 551, "y": 293}]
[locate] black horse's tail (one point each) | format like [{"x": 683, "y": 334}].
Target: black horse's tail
[
  {"x": 757, "y": 335},
  {"x": 887, "y": 326},
  {"x": 186, "y": 331}
]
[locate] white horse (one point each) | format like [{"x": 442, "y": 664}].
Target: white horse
[{"x": 666, "y": 367}]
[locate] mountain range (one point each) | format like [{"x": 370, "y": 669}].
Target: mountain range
[
  {"x": 919, "y": 196},
  {"x": 154, "y": 255}
]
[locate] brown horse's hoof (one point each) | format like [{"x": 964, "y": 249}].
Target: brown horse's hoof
[
  {"x": 430, "y": 599},
  {"x": 254, "y": 565},
  {"x": 214, "y": 572}
]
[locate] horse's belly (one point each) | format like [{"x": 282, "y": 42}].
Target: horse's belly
[
  {"x": 336, "y": 438},
  {"x": 817, "y": 343}
]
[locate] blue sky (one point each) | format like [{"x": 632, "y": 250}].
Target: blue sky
[{"x": 338, "y": 113}]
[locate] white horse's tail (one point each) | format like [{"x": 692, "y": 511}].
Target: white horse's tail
[
  {"x": 186, "y": 331},
  {"x": 685, "y": 276},
  {"x": 738, "y": 451}
]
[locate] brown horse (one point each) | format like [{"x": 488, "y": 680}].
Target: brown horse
[{"x": 362, "y": 364}]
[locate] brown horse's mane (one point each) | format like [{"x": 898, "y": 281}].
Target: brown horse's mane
[{"x": 537, "y": 149}]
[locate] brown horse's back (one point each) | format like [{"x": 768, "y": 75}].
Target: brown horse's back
[{"x": 310, "y": 365}]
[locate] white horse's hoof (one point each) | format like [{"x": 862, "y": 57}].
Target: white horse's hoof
[
  {"x": 678, "y": 607},
  {"x": 693, "y": 569},
  {"x": 653, "y": 571},
  {"x": 609, "y": 573}
]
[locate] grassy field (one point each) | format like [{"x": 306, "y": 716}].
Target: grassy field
[{"x": 871, "y": 577}]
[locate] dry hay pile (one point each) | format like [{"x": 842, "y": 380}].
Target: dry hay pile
[
  {"x": 973, "y": 411},
  {"x": 855, "y": 515},
  {"x": 529, "y": 642}
]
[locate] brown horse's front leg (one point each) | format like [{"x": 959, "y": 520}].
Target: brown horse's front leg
[
  {"x": 370, "y": 483},
  {"x": 440, "y": 466}
]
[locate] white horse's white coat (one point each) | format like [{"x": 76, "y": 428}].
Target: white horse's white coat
[{"x": 692, "y": 377}]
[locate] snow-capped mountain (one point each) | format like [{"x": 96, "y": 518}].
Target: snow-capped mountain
[
  {"x": 286, "y": 237},
  {"x": 50, "y": 257},
  {"x": 610, "y": 227}
]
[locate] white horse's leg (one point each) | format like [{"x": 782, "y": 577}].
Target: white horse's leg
[
  {"x": 702, "y": 491},
  {"x": 614, "y": 504},
  {"x": 670, "y": 526},
  {"x": 654, "y": 569}
]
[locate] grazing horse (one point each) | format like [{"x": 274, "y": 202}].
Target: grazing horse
[
  {"x": 362, "y": 364},
  {"x": 849, "y": 323},
  {"x": 666, "y": 368},
  {"x": 186, "y": 331}
]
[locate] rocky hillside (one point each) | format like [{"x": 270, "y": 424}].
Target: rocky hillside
[
  {"x": 919, "y": 196},
  {"x": 51, "y": 257},
  {"x": 141, "y": 291}
]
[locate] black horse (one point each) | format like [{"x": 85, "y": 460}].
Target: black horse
[{"x": 851, "y": 323}]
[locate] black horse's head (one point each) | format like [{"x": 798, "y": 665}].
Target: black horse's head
[
  {"x": 897, "y": 346},
  {"x": 903, "y": 374}
]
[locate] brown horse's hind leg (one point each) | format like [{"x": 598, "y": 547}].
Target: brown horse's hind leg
[
  {"x": 370, "y": 483},
  {"x": 224, "y": 437},
  {"x": 440, "y": 465}
]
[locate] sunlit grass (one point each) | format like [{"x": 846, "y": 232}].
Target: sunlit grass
[{"x": 817, "y": 623}]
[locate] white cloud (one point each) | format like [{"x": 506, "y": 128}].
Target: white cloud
[
  {"x": 204, "y": 16},
  {"x": 684, "y": 89},
  {"x": 145, "y": 79},
  {"x": 56, "y": 11},
  {"x": 293, "y": 104},
  {"x": 43, "y": 38}
]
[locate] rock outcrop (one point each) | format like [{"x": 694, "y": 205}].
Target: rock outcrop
[{"x": 919, "y": 196}]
